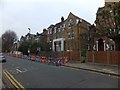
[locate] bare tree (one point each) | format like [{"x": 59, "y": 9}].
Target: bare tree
[{"x": 8, "y": 39}]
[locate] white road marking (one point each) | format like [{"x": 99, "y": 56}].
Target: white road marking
[{"x": 19, "y": 70}]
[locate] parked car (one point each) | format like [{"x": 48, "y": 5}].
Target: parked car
[{"x": 2, "y": 58}]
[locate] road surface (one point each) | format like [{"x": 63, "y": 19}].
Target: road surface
[{"x": 32, "y": 74}]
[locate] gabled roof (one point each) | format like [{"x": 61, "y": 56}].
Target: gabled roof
[
  {"x": 60, "y": 23},
  {"x": 77, "y": 17},
  {"x": 72, "y": 15}
]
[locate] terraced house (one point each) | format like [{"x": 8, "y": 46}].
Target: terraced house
[
  {"x": 69, "y": 37},
  {"x": 33, "y": 43}
]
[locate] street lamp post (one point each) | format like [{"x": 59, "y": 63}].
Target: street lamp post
[
  {"x": 29, "y": 30},
  {"x": 29, "y": 37}
]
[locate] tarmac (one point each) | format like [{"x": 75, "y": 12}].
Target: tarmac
[
  {"x": 100, "y": 68},
  {"x": 94, "y": 67}
]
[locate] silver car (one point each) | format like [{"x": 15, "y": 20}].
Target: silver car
[{"x": 2, "y": 58}]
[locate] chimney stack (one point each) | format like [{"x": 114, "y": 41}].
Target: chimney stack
[{"x": 62, "y": 19}]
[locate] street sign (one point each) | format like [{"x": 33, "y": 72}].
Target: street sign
[{"x": 38, "y": 49}]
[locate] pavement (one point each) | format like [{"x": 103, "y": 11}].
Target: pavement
[{"x": 105, "y": 69}]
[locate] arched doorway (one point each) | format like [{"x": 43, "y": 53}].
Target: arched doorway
[{"x": 100, "y": 45}]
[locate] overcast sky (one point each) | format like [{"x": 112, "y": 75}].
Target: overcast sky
[{"x": 18, "y": 15}]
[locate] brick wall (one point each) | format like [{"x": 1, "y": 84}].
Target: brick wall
[{"x": 72, "y": 55}]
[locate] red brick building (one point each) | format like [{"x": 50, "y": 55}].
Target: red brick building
[{"x": 69, "y": 36}]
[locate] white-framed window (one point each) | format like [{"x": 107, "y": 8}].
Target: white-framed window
[
  {"x": 59, "y": 29},
  {"x": 50, "y": 31},
  {"x": 64, "y": 25},
  {"x": 27, "y": 37},
  {"x": 55, "y": 29},
  {"x": 70, "y": 20},
  {"x": 61, "y": 26},
  {"x": 37, "y": 39},
  {"x": 114, "y": 30},
  {"x": 72, "y": 36},
  {"x": 62, "y": 29},
  {"x": 77, "y": 20},
  {"x": 119, "y": 32},
  {"x": 69, "y": 25},
  {"x": 68, "y": 35}
]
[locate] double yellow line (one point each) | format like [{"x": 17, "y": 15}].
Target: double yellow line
[{"x": 16, "y": 84}]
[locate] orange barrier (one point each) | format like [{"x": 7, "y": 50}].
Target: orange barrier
[
  {"x": 64, "y": 60},
  {"x": 14, "y": 55},
  {"x": 43, "y": 59},
  {"x": 20, "y": 55},
  {"x": 33, "y": 57}
]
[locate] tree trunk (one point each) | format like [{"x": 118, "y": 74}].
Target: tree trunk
[{"x": 117, "y": 44}]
